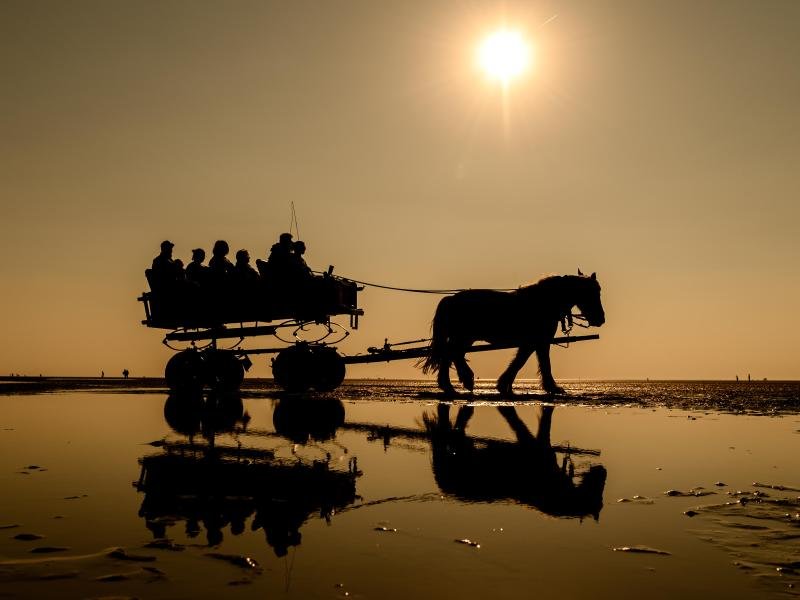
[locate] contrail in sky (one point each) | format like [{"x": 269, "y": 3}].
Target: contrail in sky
[{"x": 548, "y": 20}]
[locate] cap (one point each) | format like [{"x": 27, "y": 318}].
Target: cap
[{"x": 285, "y": 237}]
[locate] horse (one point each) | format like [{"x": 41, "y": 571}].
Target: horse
[{"x": 526, "y": 318}]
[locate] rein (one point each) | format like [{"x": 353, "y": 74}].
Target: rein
[{"x": 568, "y": 320}]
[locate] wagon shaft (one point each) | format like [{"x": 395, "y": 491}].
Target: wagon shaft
[{"x": 421, "y": 351}]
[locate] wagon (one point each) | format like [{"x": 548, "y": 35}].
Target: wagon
[{"x": 206, "y": 318}]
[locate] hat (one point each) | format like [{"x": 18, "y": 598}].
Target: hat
[
  {"x": 285, "y": 237},
  {"x": 166, "y": 244}
]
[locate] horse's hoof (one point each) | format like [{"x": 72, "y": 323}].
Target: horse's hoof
[
  {"x": 506, "y": 392},
  {"x": 555, "y": 391}
]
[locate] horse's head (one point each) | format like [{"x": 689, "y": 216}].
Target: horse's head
[{"x": 588, "y": 299}]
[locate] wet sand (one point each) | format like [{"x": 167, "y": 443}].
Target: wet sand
[{"x": 381, "y": 491}]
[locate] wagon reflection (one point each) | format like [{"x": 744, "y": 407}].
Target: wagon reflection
[{"x": 217, "y": 488}]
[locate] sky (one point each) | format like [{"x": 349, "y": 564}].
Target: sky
[{"x": 655, "y": 143}]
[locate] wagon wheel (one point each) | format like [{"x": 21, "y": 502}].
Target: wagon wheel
[
  {"x": 221, "y": 412},
  {"x": 223, "y": 371},
  {"x": 184, "y": 371},
  {"x": 293, "y": 368},
  {"x": 182, "y": 412},
  {"x": 328, "y": 369}
]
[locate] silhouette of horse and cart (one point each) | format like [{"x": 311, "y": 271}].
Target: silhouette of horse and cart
[{"x": 526, "y": 318}]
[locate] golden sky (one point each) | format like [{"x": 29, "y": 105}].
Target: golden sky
[{"x": 656, "y": 143}]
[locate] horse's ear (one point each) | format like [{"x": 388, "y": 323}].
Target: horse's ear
[
  {"x": 579, "y": 272},
  {"x": 594, "y": 276}
]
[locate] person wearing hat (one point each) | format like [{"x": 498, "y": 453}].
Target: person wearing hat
[{"x": 165, "y": 270}]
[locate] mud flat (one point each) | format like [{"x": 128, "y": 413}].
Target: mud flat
[{"x": 381, "y": 490}]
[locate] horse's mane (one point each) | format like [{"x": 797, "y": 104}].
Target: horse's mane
[{"x": 546, "y": 282}]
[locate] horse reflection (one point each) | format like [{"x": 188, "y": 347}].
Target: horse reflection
[
  {"x": 526, "y": 471},
  {"x": 217, "y": 487}
]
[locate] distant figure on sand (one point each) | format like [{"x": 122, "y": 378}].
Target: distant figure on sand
[{"x": 125, "y": 373}]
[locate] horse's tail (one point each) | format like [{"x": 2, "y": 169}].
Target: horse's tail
[{"x": 438, "y": 349}]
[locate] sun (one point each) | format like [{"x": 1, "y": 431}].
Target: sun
[{"x": 504, "y": 55}]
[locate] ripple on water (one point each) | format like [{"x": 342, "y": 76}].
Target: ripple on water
[
  {"x": 239, "y": 560},
  {"x": 641, "y": 550},
  {"x": 761, "y": 533},
  {"x": 28, "y": 537}
]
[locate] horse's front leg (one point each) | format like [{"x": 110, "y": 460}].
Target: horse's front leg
[
  {"x": 548, "y": 383},
  {"x": 506, "y": 381}
]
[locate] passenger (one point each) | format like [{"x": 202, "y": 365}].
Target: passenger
[
  {"x": 281, "y": 251},
  {"x": 180, "y": 272},
  {"x": 219, "y": 266},
  {"x": 242, "y": 271},
  {"x": 196, "y": 271},
  {"x": 276, "y": 268},
  {"x": 163, "y": 263},
  {"x": 164, "y": 271},
  {"x": 298, "y": 264}
]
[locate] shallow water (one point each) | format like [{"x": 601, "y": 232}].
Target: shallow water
[{"x": 380, "y": 491}]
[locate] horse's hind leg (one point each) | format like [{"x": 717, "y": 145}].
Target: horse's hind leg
[
  {"x": 465, "y": 374},
  {"x": 443, "y": 378},
  {"x": 506, "y": 380}
]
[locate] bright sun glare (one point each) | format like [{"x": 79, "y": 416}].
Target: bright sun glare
[{"x": 504, "y": 55}]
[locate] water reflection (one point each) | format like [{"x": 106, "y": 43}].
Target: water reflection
[
  {"x": 526, "y": 470},
  {"x": 214, "y": 487},
  {"x": 270, "y": 484},
  {"x": 206, "y": 415},
  {"x": 303, "y": 420}
]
